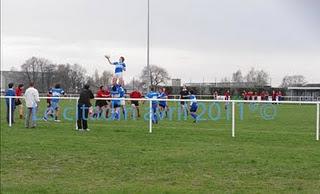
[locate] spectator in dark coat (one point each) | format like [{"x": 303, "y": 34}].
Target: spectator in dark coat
[
  {"x": 83, "y": 108},
  {"x": 10, "y": 92}
]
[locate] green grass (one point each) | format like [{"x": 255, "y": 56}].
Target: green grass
[{"x": 266, "y": 156}]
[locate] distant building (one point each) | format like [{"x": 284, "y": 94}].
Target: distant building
[
  {"x": 227, "y": 85},
  {"x": 16, "y": 77},
  {"x": 236, "y": 88},
  {"x": 176, "y": 82},
  {"x": 309, "y": 91}
]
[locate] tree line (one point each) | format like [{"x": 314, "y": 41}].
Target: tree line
[{"x": 72, "y": 77}]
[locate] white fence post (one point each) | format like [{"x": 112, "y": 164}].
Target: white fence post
[
  {"x": 233, "y": 119},
  {"x": 10, "y": 111},
  {"x": 150, "y": 117},
  {"x": 318, "y": 115}
]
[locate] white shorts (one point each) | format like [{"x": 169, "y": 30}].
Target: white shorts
[
  {"x": 118, "y": 75},
  {"x": 122, "y": 102}
]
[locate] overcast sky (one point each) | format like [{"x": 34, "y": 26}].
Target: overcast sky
[{"x": 194, "y": 40}]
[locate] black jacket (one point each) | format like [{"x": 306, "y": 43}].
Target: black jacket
[{"x": 85, "y": 96}]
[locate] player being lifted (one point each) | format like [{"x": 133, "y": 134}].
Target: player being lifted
[{"x": 120, "y": 67}]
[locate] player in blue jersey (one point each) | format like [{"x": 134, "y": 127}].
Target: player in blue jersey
[
  {"x": 193, "y": 106},
  {"x": 115, "y": 104},
  {"x": 120, "y": 67},
  {"x": 122, "y": 93},
  {"x": 56, "y": 92},
  {"x": 155, "y": 96},
  {"x": 163, "y": 105}
]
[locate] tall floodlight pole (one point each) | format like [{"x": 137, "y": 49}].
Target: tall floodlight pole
[{"x": 148, "y": 48}]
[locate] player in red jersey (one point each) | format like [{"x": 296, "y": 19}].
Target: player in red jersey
[
  {"x": 18, "y": 103},
  {"x": 101, "y": 105},
  {"x": 135, "y": 103},
  {"x": 227, "y": 97}
]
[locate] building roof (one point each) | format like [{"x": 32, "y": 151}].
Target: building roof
[
  {"x": 303, "y": 88},
  {"x": 312, "y": 85}
]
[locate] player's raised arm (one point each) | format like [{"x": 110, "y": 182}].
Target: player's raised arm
[{"x": 108, "y": 58}]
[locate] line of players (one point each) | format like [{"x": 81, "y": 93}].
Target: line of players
[
  {"x": 117, "y": 91},
  {"x": 114, "y": 108}
]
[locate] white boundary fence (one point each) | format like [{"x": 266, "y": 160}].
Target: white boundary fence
[{"x": 186, "y": 100}]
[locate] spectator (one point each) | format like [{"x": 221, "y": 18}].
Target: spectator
[
  {"x": 255, "y": 95},
  {"x": 280, "y": 97},
  {"x": 262, "y": 95},
  {"x": 244, "y": 95},
  {"x": 215, "y": 95},
  {"x": 250, "y": 95},
  {"x": 83, "y": 108},
  {"x": 267, "y": 96},
  {"x": 227, "y": 95},
  {"x": 18, "y": 103},
  {"x": 32, "y": 100},
  {"x": 10, "y": 93},
  {"x": 274, "y": 95}
]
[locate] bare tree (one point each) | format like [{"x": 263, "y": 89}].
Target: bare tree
[
  {"x": 293, "y": 80},
  {"x": 50, "y": 71},
  {"x": 96, "y": 77},
  {"x": 62, "y": 76},
  {"x": 36, "y": 70},
  {"x": 225, "y": 80},
  {"x": 96, "y": 80},
  {"x": 159, "y": 75},
  {"x": 31, "y": 68},
  {"x": 105, "y": 78},
  {"x": 257, "y": 77},
  {"x": 237, "y": 77},
  {"x": 135, "y": 84},
  {"x": 45, "y": 74},
  {"x": 77, "y": 76}
]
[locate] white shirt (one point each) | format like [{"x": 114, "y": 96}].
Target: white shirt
[{"x": 32, "y": 97}]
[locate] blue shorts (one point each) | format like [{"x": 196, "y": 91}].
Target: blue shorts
[
  {"x": 154, "y": 107},
  {"x": 163, "y": 105},
  {"x": 54, "y": 105},
  {"x": 115, "y": 105},
  {"x": 194, "y": 108}
]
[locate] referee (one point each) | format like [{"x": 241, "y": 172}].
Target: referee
[{"x": 83, "y": 108}]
